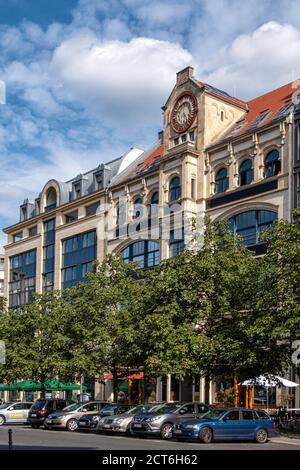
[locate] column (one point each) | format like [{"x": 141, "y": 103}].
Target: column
[
  {"x": 169, "y": 387},
  {"x": 158, "y": 389},
  {"x": 202, "y": 389}
]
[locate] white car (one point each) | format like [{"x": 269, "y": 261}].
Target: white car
[{"x": 16, "y": 412}]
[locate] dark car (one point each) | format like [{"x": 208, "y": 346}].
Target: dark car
[
  {"x": 228, "y": 424},
  {"x": 44, "y": 407},
  {"x": 90, "y": 422},
  {"x": 161, "y": 421}
]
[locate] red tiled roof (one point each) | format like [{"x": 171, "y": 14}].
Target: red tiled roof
[
  {"x": 263, "y": 110},
  {"x": 150, "y": 159}
]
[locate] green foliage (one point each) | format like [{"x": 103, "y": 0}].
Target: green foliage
[{"x": 216, "y": 310}]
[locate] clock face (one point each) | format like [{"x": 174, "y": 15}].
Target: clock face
[{"x": 183, "y": 113}]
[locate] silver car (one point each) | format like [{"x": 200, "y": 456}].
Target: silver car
[
  {"x": 69, "y": 416},
  {"x": 160, "y": 422},
  {"x": 15, "y": 412},
  {"x": 121, "y": 423}
]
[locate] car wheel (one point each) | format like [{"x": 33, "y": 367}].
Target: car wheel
[
  {"x": 2, "y": 420},
  {"x": 261, "y": 436},
  {"x": 72, "y": 425},
  {"x": 166, "y": 431},
  {"x": 205, "y": 435}
]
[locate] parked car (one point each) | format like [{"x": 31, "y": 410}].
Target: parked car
[
  {"x": 16, "y": 412},
  {"x": 44, "y": 407},
  {"x": 90, "y": 422},
  {"x": 69, "y": 416},
  {"x": 228, "y": 424},
  {"x": 160, "y": 422},
  {"x": 121, "y": 423}
]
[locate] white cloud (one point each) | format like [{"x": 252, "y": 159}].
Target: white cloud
[
  {"x": 124, "y": 81},
  {"x": 258, "y": 62}
]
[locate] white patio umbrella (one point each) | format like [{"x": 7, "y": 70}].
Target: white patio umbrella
[{"x": 269, "y": 380}]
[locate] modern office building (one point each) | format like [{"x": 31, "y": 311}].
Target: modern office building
[{"x": 216, "y": 155}]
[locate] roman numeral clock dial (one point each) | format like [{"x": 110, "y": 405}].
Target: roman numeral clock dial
[{"x": 183, "y": 113}]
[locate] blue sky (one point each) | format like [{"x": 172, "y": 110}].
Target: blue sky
[{"x": 86, "y": 79}]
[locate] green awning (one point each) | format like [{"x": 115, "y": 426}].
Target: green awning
[
  {"x": 50, "y": 385},
  {"x": 8, "y": 387},
  {"x": 28, "y": 385},
  {"x": 31, "y": 386}
]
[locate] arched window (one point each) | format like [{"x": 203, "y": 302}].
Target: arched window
[
  {"x": 250, "y": 224},
  {"x": 51, "y": 199},
  {"x": 137, "y": 207},
  {"x": 221, "y": 180},
  {"x": 272, "y": 164},
  {"x": 174, "y": 189},
  {"x": 121, "y": 218},
  {"x": 153, "y": 209},
  {"x": 246, "y": 172},
  {"x": 144, "y": 252},
  {"x": 155, "y": 198}
]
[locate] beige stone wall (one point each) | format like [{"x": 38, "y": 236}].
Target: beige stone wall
[{"x": 190, "y": 161}]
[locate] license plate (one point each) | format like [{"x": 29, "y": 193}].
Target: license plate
[
  {"x": 49, "y": 421},
  {"x": 106, "y": 426},
  {"x": 137, "y": 425},
  {"x": 83, "y": 423},
  {"x": 177, "y": 431},
  {"x": 33, "y": 415}
]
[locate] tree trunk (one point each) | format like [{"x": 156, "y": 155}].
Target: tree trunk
[{"x": 43, "y": 390}]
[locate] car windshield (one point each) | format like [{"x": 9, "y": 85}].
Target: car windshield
[
  {"x": 72, "y": 407},
  {"x": 213, "y": 414},
  {"x": 5, "y": 405},
  {"x": 167, "y": 408},
  {"x": 137, "y": 409},
  {"x": 109, "y": 408}
]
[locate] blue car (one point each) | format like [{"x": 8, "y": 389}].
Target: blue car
[{"x": 228, "y": 424}]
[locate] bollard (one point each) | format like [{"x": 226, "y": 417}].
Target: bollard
[{"x": 10, "y": 441}]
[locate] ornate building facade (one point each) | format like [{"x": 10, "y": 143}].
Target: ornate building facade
[{"x": 217, "y": 155}]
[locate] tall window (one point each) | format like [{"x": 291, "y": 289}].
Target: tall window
[
  {"x": 153, "y": 209},
  {"x": 79, "y": 252},
  {"x": 221, "y": 180},
  {"x": 249, "y": 225},
  {"x": 176, "y": 242},
  {"x": 145, "y": 252},
  {"x": 22, "y": 278},
  {"x": 137, "y": 210},
  {"x": 121, "y": 218},
  {"x": 246, "y": 172},
  {"x": 272, "y": 164},
  {"x": 174, "y": 189},
  {"x": 49, "y": 255},
  {"x": 51, "y": 200}
]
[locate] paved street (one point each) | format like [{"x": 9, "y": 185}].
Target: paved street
[{"x": 27, "y": 438}]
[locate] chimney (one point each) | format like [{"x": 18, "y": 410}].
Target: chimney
[{"x": 184, "y": 75}]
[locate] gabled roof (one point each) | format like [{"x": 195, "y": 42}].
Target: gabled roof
[
  {"x": 263, "y": 110},
  {"x": 223, "y": 95},
  {"x": 147, "y": 161}
]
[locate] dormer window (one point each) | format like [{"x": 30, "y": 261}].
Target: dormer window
[
  {"x": 77, "y": 190},
  {"x": 98, "y": 180},
  {"x": 51, "y": 200},
  {"x": 24, "y": 213}
]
